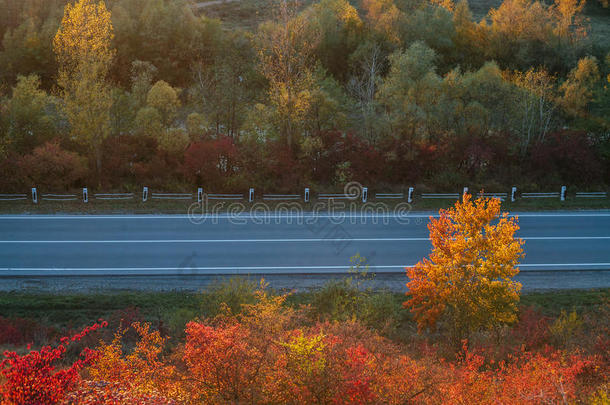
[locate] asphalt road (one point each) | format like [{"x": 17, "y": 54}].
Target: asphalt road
[{"x": 559, "y": 246}]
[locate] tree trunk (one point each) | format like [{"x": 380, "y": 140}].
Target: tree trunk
[{"x": 98, "y": 164}]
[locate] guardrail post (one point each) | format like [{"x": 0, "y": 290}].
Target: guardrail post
[
  {"x": 251, "y": 195},
  {"x": 513, "y": 194},
  {"x": 199, "y": 194},
  {"x": 34, "y": 195},
  {"x": 144, "y": 194},
  {"x": 563, "y": 193},
  {"x": 464, "y": 192},
  {"x": 410, "y": 195},
  {"x": 85, "y": 195},
  {"x": 365, "y": 194},
  {"x": 306, "y": 195}
]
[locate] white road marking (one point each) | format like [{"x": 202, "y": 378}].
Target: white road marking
[
  {"x": 286, "y": 240},
  {"x": 245, "y": 268},
  {"x": 219, "y": 240}
]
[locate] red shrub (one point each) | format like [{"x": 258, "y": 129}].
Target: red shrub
[
  {"x": 32, "y": 378},
  {"x": 210, "y": 163},
  {"x": 49, "y": 167},
  {"x": 12, "y": 179},
  {"x": 532, "y": 329},
  {"x": 534, "y": 378},
  {"x": 124, "y": 154},
  {"x": 283, "y": 171},
  {"x": 19, "y": 331},
  {"x": 570, "y": 156},
  {"x": 223, "y": 360}
]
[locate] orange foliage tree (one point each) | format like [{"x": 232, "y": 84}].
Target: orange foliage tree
[
  {"x": 140, "y": 375},
  {"x": 467, "y": 280}
]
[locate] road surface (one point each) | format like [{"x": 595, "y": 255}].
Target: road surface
[{"x": 569, "y": 246}]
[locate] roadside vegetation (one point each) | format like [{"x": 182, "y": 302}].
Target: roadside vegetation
[
  {"x": 462, "y": 334},
  {"x": 555, "y": 348}
]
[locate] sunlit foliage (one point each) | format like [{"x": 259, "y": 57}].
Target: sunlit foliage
[
  {"x": 269, "y": 352},
  {"x": 499, "y": 91},
  {"x": 467, "y": 281},
  {"x": 84, "y": 52}
]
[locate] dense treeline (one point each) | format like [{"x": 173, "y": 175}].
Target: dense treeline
[{"x": 388, "y": 92}]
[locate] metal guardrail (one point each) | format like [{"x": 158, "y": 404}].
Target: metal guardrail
[
  {"x": 540, "y": 195},
  {"x": 59, "y": 197},
  {"x": 172, "y": 196},
  {"x": 339, "y": 196},
  {"x": 389, "y": 196},
  {"x": 441, "y": 195},
  {"x": 500, "y": 196},
  {"x": 292, "y": 197},
  {"x": 224, "y": 196},
  {"x": 13, "y": 197},
  {"x": 113, "y": 196},
  {"x": 592, "y": 194},
  {"x": 279, "y": 197}
]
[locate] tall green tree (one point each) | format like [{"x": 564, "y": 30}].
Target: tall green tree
[
  {"x": 223, "y": 88},
  {"x": 31, "y": 116},
  {"x": 27, "y": 29},
  {"x": 165, "y": 33},
  {"x": 340, "y": 31},
  {"x": 411, "y": 91}
]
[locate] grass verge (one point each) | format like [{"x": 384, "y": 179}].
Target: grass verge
[
  {"x": 74, "y": 310},
  {"x": 182, "y": 207}
]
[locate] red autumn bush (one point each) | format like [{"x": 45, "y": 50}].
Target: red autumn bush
[
  {"x": 210, "y": 162},
  {"x": 223, "y": 360},
  {"x": 570, "y": 156},
  {"x": 536, "y": 378},
  {"x": 32, "y": 378},
  {"x": 125, "y": 157},
  {"x": 21, "y": 331},
  {"x": 51, "y": 168},
  {"x": 532, "y": 329}
]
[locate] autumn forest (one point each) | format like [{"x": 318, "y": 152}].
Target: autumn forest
[{"x": 132, "y": 92}]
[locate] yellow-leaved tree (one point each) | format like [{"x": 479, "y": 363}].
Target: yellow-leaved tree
[
  {"x": 84, "y": 52},
  {"x": 285, "y": 49},
  {"x": 467, "y": 282}
]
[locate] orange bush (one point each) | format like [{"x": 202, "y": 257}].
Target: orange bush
[{"x": 139, "y": 373}]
